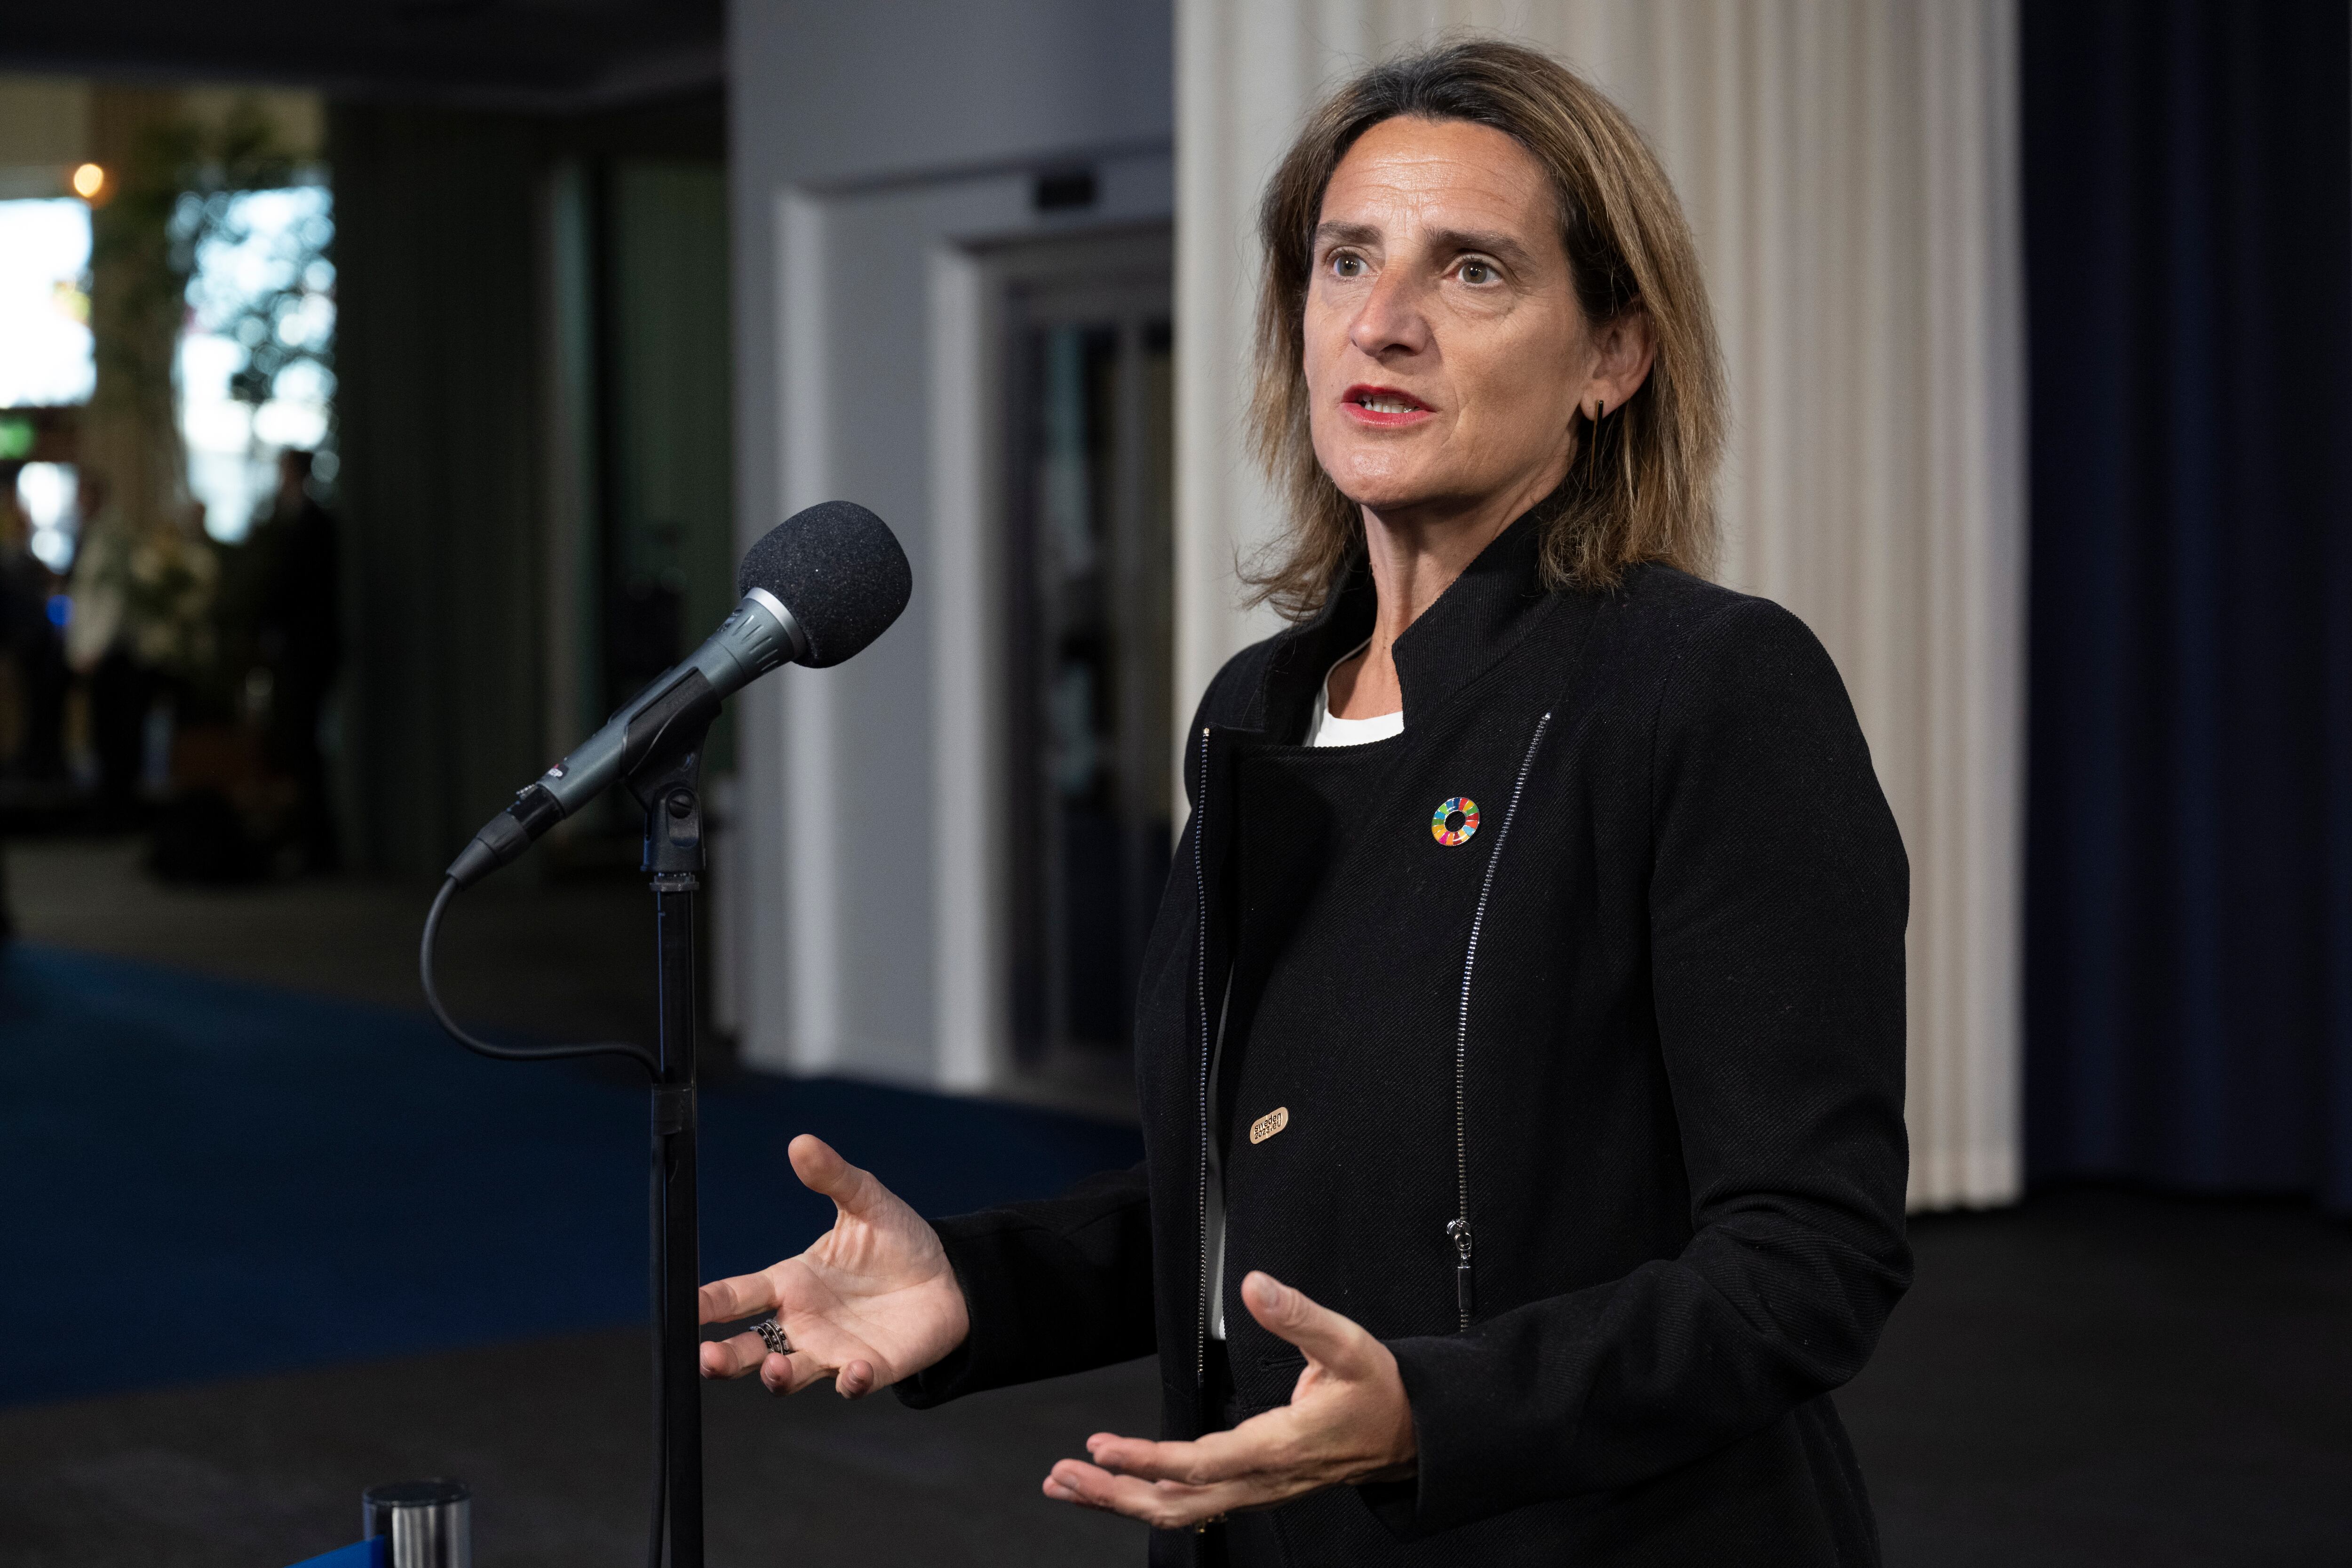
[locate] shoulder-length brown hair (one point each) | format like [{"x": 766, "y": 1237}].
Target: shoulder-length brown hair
[{"x": 1642, "y": 488}]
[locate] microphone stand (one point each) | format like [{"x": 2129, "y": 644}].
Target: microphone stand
[
  {"x": 666, "y": 782},
  {"x": 669, "y": 787}
]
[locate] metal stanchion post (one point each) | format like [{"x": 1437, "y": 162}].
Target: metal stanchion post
[{"x": 430, "y": 1523}]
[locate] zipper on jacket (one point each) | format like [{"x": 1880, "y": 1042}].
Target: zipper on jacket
[
  {"x": 1458, "y": 1229},
  {"x": 1200, "y": 1000}
]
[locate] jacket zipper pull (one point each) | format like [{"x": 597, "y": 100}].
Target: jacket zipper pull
[{"x": 1464, "y": 1294}]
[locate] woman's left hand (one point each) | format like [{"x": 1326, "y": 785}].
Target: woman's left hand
[{"x": 1348, "y": 1420}]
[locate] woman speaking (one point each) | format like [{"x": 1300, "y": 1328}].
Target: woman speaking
[{"x": 1520, "y": 1043}]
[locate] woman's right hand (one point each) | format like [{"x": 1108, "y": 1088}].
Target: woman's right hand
[{"x": 873, "y": 1301}]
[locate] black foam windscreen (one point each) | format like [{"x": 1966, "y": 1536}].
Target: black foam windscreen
[{"x": 838, "y": 569}]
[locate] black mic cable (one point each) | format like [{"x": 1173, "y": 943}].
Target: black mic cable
[
  {"x": 480, "y": 1047},
  {"x": 657, "y": 1251}
]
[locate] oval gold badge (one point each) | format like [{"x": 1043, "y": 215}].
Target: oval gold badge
[{"x": 1272, "y": 1123}]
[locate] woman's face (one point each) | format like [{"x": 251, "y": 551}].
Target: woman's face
[{"x": 1446, "y": 352}]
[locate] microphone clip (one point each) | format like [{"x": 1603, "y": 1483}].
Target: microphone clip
[{"x": 668, "y": 785}]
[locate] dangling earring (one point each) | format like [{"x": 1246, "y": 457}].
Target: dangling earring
[{"x": 1593, "y": 444}]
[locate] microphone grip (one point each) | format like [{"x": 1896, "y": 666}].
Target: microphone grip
[{"x": 506, "y": 834}]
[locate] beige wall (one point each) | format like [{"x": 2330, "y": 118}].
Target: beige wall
[
  {"x": 43, "y": 133},
  {"x": 48, "y": 125}
]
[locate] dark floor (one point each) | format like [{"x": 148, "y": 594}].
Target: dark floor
[
  {"x": 2095, "y": 1378},
  {"x": 303, "y": 1179},
  {"x": 2112, "y": 1378},
  {"x": 562, "y": 959},
  {"x": 551, "y": 1437}
]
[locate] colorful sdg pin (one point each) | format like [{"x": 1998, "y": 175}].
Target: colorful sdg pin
[{"x": 1454, "y": 821}]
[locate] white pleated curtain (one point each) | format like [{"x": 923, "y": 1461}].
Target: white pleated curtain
[{"x": 1851, "y": 169}]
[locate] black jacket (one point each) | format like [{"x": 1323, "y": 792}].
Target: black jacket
[{"x": 1642, "y": 1028}]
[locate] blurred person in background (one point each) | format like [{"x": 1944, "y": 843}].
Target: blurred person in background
[
  {"x": 301, "y": 645},
  {"x": 33, "y": 659},
  {"x": 97, "y": 648},
  {"x": 1520, "y": 1178},
  {"x": 32, "y": 642},
  {"x": 14, "y": 553}
]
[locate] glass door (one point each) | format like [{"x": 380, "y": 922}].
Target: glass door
[{"x": 1091, "y": 661}]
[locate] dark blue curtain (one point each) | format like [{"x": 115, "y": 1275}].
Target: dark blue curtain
[{"x": 2188, "y": 902}]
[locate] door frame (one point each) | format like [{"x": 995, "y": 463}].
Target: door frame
[{"x": 972, "y": 290}]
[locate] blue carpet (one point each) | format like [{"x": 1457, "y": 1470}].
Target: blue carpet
[{"x": 206, "y": 1179}]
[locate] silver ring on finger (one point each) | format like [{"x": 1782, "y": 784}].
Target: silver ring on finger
[{"x": 773, "y": 1332}]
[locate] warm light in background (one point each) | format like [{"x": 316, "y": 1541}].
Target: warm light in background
[{"x": 88, "y": 180}]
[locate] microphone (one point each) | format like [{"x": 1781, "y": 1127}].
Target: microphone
[{"x": 816, "y": 589}]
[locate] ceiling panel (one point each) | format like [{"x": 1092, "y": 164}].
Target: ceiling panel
[{"x": 549, "y": 54}]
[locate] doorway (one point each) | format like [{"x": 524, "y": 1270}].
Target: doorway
[{"x": 1089, "y": 665}]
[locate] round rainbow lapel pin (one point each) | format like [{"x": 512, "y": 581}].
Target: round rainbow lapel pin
[{"x": 1454, "y": 821}]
